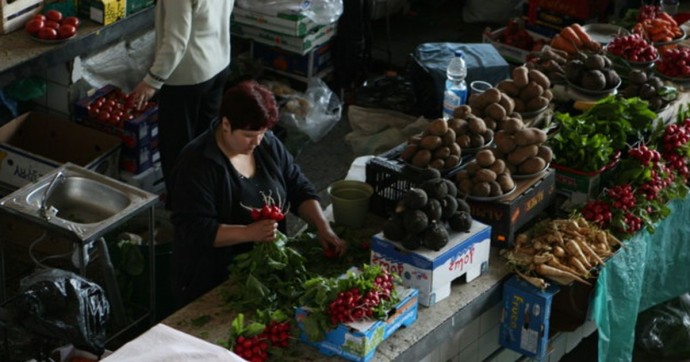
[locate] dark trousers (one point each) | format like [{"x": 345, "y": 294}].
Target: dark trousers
[{"x": 184, "y": 112}]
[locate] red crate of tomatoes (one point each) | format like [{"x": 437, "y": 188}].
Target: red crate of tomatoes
[{"x": 111, "y": 110}]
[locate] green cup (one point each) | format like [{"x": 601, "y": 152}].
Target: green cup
[{"x": 350, "y": 200}]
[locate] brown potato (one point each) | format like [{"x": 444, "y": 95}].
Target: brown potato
[
  {"x": 506, "y": 182},
  {"x": 512, "y": 124},
  {"x": 485, "y": 175},
  {"x": 481, "y": 189},
  {"x": 495, "y": 111},
  {"x": 452, "y": 161},
  {"x": 430, "y": 142},
  {"x": 530, "y": 136},
  {"x": 485, "y": 158},
  {"x": 409, "y": 151},
  {"x": 540, "y": 78},
  {"x": 448, "y": 138},
  {"x": 531, "y": 165},
  {"x": 441, "y": 152},
  {"x": 545, "y": 153},
  {"x": 477, "y": 125},
  {"x": 532, "y": 90},
  {"x": 508, "y": 87},
  {"x": 520, "y": 77},
  {"x": 499, "y": 166},
  {"x": 521, "y": 153},
  {"x": 504, "y": 141},
  {"x": 437, "y": 127},
  {"x": 507, "y": 103},
  {"x": 462, "y": 111},
  {"x": 422, "y": 158},
  {"x": 536, "y": 104},
  {"x": 437, "y": 163}
]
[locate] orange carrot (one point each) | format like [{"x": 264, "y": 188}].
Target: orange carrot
[
  {"x": 667, "y": 17},
  {"x": 569, "y": 34},
  {"x": 582, "y": 33},
  {"x": 558, "y": 42}
]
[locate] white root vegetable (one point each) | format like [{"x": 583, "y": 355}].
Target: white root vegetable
[
  {"x": 549, "y": 271},
  {"x": 535, "y": 281},
  {"x": 573, "y": 247}
]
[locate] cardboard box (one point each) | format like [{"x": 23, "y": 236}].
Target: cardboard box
[
  {"x": 285, "y": 23},
  {"x": 431, "y": 272},
  {"x": 34, "y": 144},
  {"x": 103, "y": 11},
  {"x": 296, "y": 44},
  {"x": 315, "y": 61},
  {"x": 580, "y": 187},
  {"x": 508, "y": 52},
  {"x": 357, "y": 341},
  {"x": 506, "y": 216},
  {"x": 135, "y": 6},
  {"x": 525, "y": 317},
  {"x": 15, "y": 13},
  {"x": 150, "y": 180}
]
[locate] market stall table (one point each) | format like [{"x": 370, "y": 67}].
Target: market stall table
[{"x": 434, "y": 325}]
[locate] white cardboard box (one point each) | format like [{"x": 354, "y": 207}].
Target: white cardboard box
[
  {"x": 284, "y": 23},
  {"x": 431, "y": 272},
  {"x": 296, "y": 44}
]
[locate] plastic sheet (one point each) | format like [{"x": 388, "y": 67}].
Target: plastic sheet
[
  {"x": 58, "y": 304},
  {"x": 322, "y": 112},
  {"x": 664, "y": 330},
  {"x": 650, "y": 269}
]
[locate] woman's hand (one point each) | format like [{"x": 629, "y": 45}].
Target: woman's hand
[
  {"x": 263, "y": 230},
  {"x": 142, "y": 94},
  {"x": 330, "y": 242}
]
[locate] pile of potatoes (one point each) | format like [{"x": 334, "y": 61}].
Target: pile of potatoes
[
  {"x": 470, "y": 130},
  {"x": 493, "y": 106},
  {"x": 523, "y": 149},
  {"x": 435, "y": 147},
  {"x": 529, "y": 89},
  {"x": 485, "y": 176}
]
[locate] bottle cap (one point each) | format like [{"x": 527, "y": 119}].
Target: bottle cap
[{"x": 459, "y": 53}]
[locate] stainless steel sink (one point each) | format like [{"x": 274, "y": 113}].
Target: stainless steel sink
[{"x": 80, "y": 201}]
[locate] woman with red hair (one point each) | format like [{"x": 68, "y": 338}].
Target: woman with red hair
[{"x": 224, "y": 173}]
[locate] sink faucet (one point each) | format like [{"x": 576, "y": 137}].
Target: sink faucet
[{"x": 43, "y": 210}]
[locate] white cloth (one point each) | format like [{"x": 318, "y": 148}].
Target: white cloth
[{"x": 165, "y": 344}]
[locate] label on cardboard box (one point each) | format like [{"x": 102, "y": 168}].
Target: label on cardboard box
[
  {"x": 507, "y": 215},
  {"x": 525, "y": 317},
  {"x": 431, "y": 272}
]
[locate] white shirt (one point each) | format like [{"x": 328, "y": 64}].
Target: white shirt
[{"x": 192, "y": 41}]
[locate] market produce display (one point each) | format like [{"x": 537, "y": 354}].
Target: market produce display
[
  {"x": 524, "y": 150},
  {"x": 592, "y": 74},
  {"x": 650, "y": 88},
  {"x": 52, "y": 26},
  {"x": 561, "y": 250},
  {"x": 573, "y": 39},
  {"x": 472, "y": 132},
  {"x": 659, "y": 27},
  {"x": 485, "y": 177},
  {"x": 424, "y": 215},
  {"x": 435, "y": 147},
  {"x": 529, "y": 89},
  {"x": 590, "y": 141}
]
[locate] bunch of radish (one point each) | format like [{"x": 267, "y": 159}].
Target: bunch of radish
[
  {"x": 632, "y": 48},
  {"x": 674, "y": 63}
]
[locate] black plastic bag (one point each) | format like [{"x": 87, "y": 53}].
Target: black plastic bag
[
  {"x": 59, "y": 304},
  {"x": 664, "y": 330}
]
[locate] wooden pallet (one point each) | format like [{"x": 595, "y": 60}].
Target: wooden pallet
[{"x": 15, "y": 13}]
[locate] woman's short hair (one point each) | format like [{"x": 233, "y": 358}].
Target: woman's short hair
[{"x": 249, "y": 106}]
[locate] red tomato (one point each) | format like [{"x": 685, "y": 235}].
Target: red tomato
[
  {"x": 66, "y": 31},
  {"x": 54, "y": 15},
  {"x": 72, "y": 20},
  {"x": 33, "y": 26},
  {"x": 103, "y": 116},
  {"x": 52, "y": 24},
  {"x": 47, "y": 33},
  {"x": 40, "y": 17}
]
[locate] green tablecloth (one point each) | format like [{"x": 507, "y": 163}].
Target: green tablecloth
[{"x": 650, "y": 269}]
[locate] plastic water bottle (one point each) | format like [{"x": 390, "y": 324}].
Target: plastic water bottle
[{"x": 456, "y": 88}]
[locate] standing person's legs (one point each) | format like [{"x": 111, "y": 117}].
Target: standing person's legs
[{"x": 184, "y": 112}]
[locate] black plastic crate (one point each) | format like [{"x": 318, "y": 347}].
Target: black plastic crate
[{"x": 391, "y": 177}]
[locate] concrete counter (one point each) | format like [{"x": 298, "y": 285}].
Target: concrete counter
[
  {"x": 21, "y": 56},
  {"x": 435, "y": 327}
]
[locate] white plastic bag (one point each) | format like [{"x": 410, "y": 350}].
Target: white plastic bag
[
  {"x": 321, "y": 12},
  {"x": 322, "y": 113}
]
